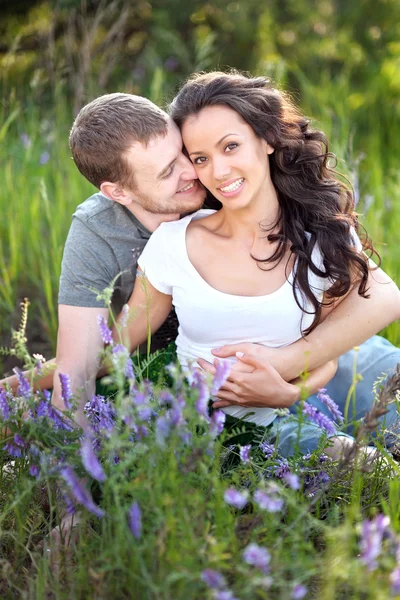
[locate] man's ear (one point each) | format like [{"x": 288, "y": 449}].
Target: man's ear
[{"x": 117, "y": 193}]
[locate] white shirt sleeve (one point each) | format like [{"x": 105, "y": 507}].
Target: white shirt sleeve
[{"x": 155, "y": 260}]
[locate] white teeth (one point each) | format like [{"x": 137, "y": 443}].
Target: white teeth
[
  {"x": 233, "y": 187},
  {"x": 187, "y": 188}
]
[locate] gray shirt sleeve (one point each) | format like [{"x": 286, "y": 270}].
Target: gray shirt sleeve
[{"x": 88, "y": 264}]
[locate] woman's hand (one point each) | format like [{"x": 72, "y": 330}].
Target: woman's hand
[{"x": 253, "y": 383}]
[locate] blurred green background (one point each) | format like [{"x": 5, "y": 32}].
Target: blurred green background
[{"x": 340, "y": 61}]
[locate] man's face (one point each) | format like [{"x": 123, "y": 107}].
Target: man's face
[{"x": 166, "y": 181}]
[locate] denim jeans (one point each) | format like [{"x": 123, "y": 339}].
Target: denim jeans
[{"x": 375, "y": 358}]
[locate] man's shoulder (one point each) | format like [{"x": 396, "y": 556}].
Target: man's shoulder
[
  {"x": 97, "y": 206},
  {"x": 108, "y": 219}
]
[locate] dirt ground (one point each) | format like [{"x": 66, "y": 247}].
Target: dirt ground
[{"x": 38, "y": 341}]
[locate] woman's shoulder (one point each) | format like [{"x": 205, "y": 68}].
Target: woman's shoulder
[{"x": 169, "y": 228}]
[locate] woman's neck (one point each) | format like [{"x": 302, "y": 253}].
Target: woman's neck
[{"x": 245, "y": 223}]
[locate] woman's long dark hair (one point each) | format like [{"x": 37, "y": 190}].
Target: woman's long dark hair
[{"x": 311, "y": 196}]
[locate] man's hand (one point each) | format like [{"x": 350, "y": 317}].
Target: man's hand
[
  {"x": 274, "y": 356},
  {"x": 253, "y": 383}
]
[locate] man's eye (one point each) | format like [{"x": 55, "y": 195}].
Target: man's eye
[
  {"x": 169, "y": 173},
  {"x": 199, "y": 160},
  {"x": 231, "y": 146}
]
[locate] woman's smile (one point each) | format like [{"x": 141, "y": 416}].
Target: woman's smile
[{"x": 232, "y": 187}]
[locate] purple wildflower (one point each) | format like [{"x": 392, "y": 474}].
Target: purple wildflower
[
  {"x": 68, "y": 501},
  {"x": 292, "y": 480},
  {"x": 199, "y": 384},
  {"x": 213, "y": 579},
  {"x": 57, "y": 418},
  {"x": 66, "y": 392},
  {"x": 13, "y": 449},
  {"x": 244, "y": 453},
  {"x": 26, "y": 140},
  {"x": 224, "y": 595},
  {"x": 218, "y": 418},
  {"x": 101, "y": 414},
  {"x": 78, "y": 490},
  {"x": 171, "y": 63},
  {"x": 90, "y": 461},
  {"x": 221, "y": 375},
  {"x": 135, "y": 520},
  {"x": 44, "y": 158},
  {"x": 268, "y": 501},
  {"x": 299, "y": 591},
  {"x": 34, "y": 470},
  {"x": 145, "y": 413},
  {"x": 257, "y": 556},
  {"x": 372, "y": 533},
  {"x": 163, "y": 428},
  {"x": 323, "y": 458},
  {"x": 235, "y": 498},
  {"x": 267, "y": 449},
  {"x": 319, "y": 418},
  {"x": 281, "y": 468},
  {"x": 105, "y": 331},
  {"x": 142, "y": 432},
  {"x": 394, "y": 579},
  {"x": 122, "y": 360},
  {"x": 24, "y": 387},
  {"x": 4, "y": 406},
  {"x": 19, "y": 441},
  {"x": 312, "y": 483},
  {"x": 330, "y": 405}
]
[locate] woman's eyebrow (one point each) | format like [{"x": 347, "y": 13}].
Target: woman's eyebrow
[{"x": 217, "y": 144}]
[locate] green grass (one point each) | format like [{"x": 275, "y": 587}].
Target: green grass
[
  {"x": 187, "y": 524},
  {"x": 37, "y": 200}
]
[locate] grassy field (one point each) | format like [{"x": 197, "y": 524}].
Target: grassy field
[
  {"x": 41, "y": 188},
  {"x": 180, "y": 513}
]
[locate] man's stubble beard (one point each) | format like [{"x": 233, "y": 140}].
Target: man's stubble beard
[{"x": 172, "y": 207}]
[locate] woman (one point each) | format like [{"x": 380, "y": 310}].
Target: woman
[{"x": 281, "y": 251}]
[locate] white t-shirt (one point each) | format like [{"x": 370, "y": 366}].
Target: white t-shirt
[{"x": 209, "y": 318}]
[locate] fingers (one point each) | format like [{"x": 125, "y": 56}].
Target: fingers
[
  {"x": 254, "y": 362},
  {"x": 206, "y": 366},
  {"x": 230, "y": 350},
  {"x": 221, "y": 404}
]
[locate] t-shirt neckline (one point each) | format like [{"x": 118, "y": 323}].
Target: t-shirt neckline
[{"x": 185, "y": 221}]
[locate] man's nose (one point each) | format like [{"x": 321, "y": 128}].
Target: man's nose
[{"x": 189, "y": 172}]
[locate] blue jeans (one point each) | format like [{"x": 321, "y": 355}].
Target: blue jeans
[{"x": 374, "y": 358}]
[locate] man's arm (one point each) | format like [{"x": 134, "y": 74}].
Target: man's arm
[
  {"x": 79, "y": 345},
  {"x": 350, "y": 323}
]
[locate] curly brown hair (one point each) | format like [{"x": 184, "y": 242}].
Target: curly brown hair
[{"x": 312, "y": 197}]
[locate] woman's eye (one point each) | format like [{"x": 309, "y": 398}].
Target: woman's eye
[
  {"x": 231, "y": 146},
  {"x": 199, "y": 160}
]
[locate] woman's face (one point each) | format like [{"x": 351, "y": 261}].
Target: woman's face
[{"x": 230, "y": 160}]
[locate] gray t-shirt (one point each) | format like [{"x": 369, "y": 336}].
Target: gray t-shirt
[{"x": 105, "y": 240}]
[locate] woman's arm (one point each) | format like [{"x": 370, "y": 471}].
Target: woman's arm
[{"x": 148, "y": 309}]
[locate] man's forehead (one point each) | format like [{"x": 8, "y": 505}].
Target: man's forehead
[{"x": 158, "y": 152}]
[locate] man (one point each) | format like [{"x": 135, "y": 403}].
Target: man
[{"x": 132, "y": 152}]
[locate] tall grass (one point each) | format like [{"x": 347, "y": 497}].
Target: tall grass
[{"x": 41, "y": 188}]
